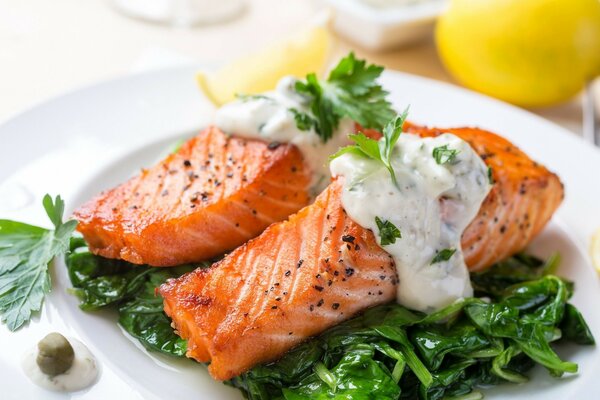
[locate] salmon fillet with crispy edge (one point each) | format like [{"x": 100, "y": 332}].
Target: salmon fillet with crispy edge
[
  {"x": 212, "y": 195},
  {"x": 319, "y": 268}
]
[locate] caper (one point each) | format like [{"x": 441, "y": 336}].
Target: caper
[{"x": 55, "y": 354}]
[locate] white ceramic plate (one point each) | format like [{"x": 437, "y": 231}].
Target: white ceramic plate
[{"x": 83, "y": 142}]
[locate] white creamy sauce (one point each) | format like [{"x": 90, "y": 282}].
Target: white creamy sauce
[
  {"x": 268, "y": 117},
  {"x": 82, "y": 373},
  {"x": 432, "y": 206}
]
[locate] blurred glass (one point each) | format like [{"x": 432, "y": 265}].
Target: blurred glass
[{"x": 181, "y": 13}]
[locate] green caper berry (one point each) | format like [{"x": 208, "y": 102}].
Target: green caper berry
[{"x": 55, "y": 354}]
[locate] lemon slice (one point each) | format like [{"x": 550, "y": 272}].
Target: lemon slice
[
  {"x": 595, "y": 250},
  {"x": 301, "y": 54}
]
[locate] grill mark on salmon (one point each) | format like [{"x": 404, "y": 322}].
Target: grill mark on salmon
[{"x": 318, "y": 268}]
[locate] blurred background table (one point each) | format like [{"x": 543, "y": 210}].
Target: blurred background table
[{"x": 49, "y": 47}]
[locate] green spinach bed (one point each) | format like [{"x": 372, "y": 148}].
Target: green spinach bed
[{"x": 389, "y": 352}]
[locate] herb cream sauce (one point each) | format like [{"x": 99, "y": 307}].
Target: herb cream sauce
[
  {"x": 270, "y": 117},
  {"x": 432, "y": 204}
]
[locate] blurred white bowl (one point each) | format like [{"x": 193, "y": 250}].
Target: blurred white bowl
[
  {"x": 181, "y": 13},
  {"x": 384, "y": 24}
]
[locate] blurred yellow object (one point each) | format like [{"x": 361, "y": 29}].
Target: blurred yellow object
[
  {"x": 527, "y": 52},
  {"x": 303, "y": 53},
  {"x": 595, "y": 250}
]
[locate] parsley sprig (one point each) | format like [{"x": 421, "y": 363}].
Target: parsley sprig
[
  {"x": 25, "y": 253},
  {"x": 379, "y": 150},
  {"x": 351, "y": 90},
  {"x": 388, "y": 232}
]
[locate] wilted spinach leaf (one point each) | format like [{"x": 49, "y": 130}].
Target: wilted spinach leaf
[
  {"x": 130, "y": 289},
  {"x": 517, "y": 269},
  {"x": 143, "y": 318},
  {"x": 574, "y": 328}
]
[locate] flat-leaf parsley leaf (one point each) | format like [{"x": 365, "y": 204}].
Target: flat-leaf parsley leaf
[
  {"x": 25, "y": 253},
  {"x": 352, "y": 91},
  {"x": 388, "y": 232}
]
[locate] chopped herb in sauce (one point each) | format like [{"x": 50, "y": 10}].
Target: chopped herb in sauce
[
  {"x": 388, "y": 232},
  {"x": 490, "y": 176},
  {"x": 443, "y": 154},
  {"x": 443, "y": 255}
]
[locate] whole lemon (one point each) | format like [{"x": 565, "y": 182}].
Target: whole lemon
[{"x": 527, "y": 52}]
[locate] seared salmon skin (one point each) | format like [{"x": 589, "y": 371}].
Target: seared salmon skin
[
  {"x": 306, "y": 274},
  {"x": 212, "y": 195}
]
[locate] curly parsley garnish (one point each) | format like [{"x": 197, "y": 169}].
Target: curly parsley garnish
[
  {"x": 25, "y": 253},
  {"x": 351, "y": 90},
  {"x": 388, "y": 232},
  {"x": 443, "y": 255},
  {"x": 380, "y": 150},
  {"x": 443, "y": 154}
]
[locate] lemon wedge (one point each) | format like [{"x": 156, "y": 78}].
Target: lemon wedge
[
  {"x": 303, "y": 53},
  {"x": 595, "y": 250}
]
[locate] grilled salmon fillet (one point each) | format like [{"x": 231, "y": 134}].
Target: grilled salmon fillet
[
  {"x": 306, "y": 274},
  {"x": 212, "y": 195},
  {"x": 296, "y": 279}
]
